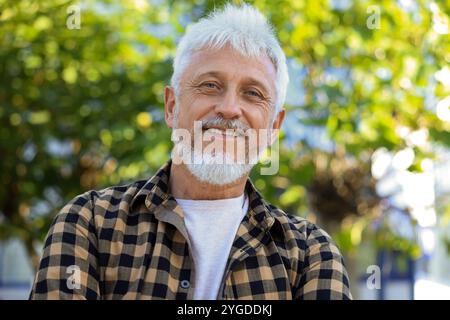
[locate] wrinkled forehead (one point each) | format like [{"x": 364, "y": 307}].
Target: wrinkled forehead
[{"x": 230, "y": 63}]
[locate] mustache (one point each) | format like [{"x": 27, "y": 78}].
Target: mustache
[{"x": 221, "y": 123}]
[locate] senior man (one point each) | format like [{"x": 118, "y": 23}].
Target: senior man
[{"x": 198, "y": 229}]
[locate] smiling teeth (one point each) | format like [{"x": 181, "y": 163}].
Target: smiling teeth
[{"x": 229, "y": 133}]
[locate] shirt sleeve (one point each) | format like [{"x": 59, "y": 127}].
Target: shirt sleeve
[
  {"x": 68, "y": 269},
  {"x": 323, "y": 274}
]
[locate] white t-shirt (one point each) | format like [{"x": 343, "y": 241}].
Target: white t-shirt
[{"x": 211, "y": 226}]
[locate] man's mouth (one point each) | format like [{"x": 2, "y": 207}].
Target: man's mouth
[{"x": 222, "y": 132}]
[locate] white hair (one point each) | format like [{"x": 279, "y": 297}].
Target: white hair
[{"x": 246, "y": 30}]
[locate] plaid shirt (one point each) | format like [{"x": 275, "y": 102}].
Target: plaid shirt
[{"x": 130, "y": 242}]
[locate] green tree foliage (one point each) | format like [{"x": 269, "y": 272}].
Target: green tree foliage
[{"x": 82, "y": 108}]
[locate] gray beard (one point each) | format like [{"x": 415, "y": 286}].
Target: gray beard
[{"x": 217, "y": 173}]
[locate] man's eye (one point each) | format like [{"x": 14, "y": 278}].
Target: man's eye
[
  {"x": 210, "y": 85},
  {"x": 253, "y": 93}
]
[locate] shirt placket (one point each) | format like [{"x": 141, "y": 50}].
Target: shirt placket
[
  {"x": 239, "y": 254},
  {"x": 174, "y": 217}
]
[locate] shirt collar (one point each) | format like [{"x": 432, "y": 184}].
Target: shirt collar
[{"x": 155, "y": 193}]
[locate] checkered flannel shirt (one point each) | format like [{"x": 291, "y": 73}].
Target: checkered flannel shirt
[{"x": 130, "y": 242}]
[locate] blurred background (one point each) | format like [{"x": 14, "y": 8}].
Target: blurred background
[{"x": 364, "y": 147}]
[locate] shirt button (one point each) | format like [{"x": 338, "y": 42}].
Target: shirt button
[{"x": 185, "y": 284}]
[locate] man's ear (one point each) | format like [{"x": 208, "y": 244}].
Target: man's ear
[
  {"x": 279, "y": 119},
  {"x": 277, "y": 125},
  {"x": 169, "y": 105}
]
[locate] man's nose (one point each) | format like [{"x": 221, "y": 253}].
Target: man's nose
[{"x": 229, "y": 107}]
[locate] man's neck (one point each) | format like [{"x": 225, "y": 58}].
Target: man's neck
[{"x": 184, "y": 185}]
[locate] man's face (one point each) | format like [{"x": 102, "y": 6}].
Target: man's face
[
  {"x": 226, "y": 91},
  {"x": 223, "y": 83}
]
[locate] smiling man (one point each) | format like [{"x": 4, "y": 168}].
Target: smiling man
[{"x": 198, "y": 229}]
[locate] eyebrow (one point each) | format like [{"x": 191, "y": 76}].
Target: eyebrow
[{"x": 248, "y": 80}]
